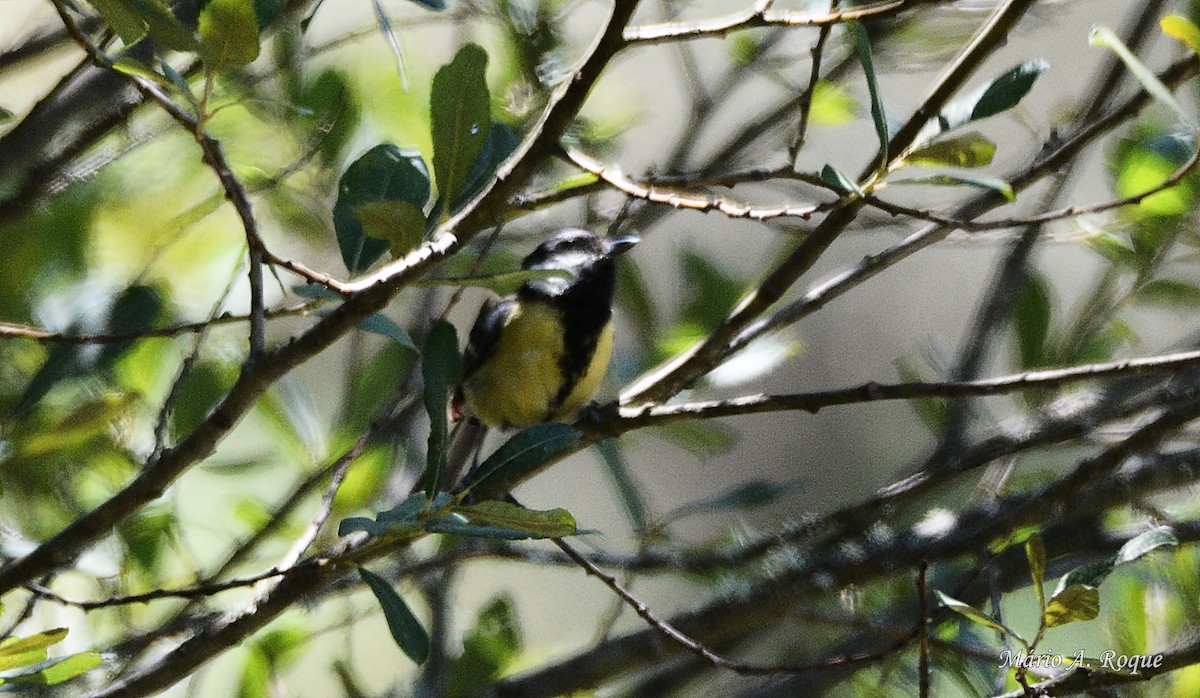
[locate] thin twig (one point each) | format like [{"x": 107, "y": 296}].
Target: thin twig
[
  {"x": 752, "y": 18},
  {"x": 673, "y": 634},
  {"x": 647, "y": 415}
]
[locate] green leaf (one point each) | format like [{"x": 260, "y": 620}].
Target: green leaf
[
  {"x": 383, "y": 173},
  {"x": 460, "y": 112},
  {"x": 618, "y": 469},
  {"x": 178, "y": 82},
  {"x": 1072, "y": 603},
  {"x": 1171, "y": 294},
  {"x": 862, "y": 45},
  {"x": 1183, "y": 29},
  {"x": 831, "y": 105},
  {"x": 503, "y": 283},
  {"x": 840, "y": 182},
  {"x": 5, "y": 115},
  {"x": 747, "y": 495},
  {"x": 489, "y": 648},
  {"x": 1103, "y": 36},
  {"x": 968, "y": 150},
  {"x": 441, "y": 367},
  {"x": 63, "y": 670},
  {"x": 136, "y": 18},
  {"x": 400, "y": 223},
  {"x": 501, "y": 142},
  {"x": 1145, "y": 543},
  {"x": 438, "y": 5},
  {"x": 552, "y": 523},
  {"x": 134, "y": 310},
  {"x": 380, "y": 324},
  {"x": 989, "y": 183},
  {"x": 1035, "y": 552},
  {"x": 14, "y": 650},
  {"x": 1031, "y": 316},
  {"x": 975, "y": 615},
  {"x": 268, "y": 11},
  {"x": 229, "y": 33},
  {"x": 1001, "y": 94},
  {"x": 1114, "y": 248},
  {"x": 406, "y": 630},
  {"x": 520, "y": 455}
]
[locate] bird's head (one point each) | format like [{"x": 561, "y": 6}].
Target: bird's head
[{"x": 580, "y": 253}]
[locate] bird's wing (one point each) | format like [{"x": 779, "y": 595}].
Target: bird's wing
[{"x": 486, "y": 332}]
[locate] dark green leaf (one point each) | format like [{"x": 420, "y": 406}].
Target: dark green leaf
[
  {"x": 1002, "y": 93},
  {"x": 840, "y": 182},
  {"x": 383, "y": 173},
  {"x": 1072, "y": 603},
  {"x": 500, "y": 143},
  {"x": 441, "y": 367},
  {"x": 553, "y": 523},
  {"x": 316, "y": 291},
  {"x": 62, "y": 670},
  {"x": 380, "y": 324},
  {"x": 1007, "y": 90},
  {"x": 438, "y": 5},
  {"x": 268, "y": 11},
  {"x": 460, "y": 111},
  {"x": 406, "y": 630},
  {"x": 179, "y": 82},
  {"x": 1032, "y": 320},
  {"x": 5, "y": 115},
  {"x": 632, "y": 499},
  {"x": 520, "y": 455},
  {"x": 353, "y": 524},
  {"x": 229, "y": 33},
  {"x": 1092, "y": 574},
  {"x": 968, "y": 150},
  {"x": 862, "y": 45},
  {"x": 748, "y": 495}
]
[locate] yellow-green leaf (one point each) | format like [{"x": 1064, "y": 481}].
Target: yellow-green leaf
[
  {"x": 1183, "y": 29},
  {"x": 397, "y": 221},
  {"x": 552, "y": 523},
  {"x": 968, "y": 150},
  {"x": 1073, "y": 602},
  {"x": 831, "y": 105},
  {"x": 229, "y": 33}
]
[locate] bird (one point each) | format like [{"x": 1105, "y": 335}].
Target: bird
[{"x": 539, "y": 355}]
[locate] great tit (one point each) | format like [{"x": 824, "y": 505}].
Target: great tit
[{"x": 539, "y": 354}]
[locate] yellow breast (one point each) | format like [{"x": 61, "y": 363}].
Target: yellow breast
[{"x": 517, "y": 385}]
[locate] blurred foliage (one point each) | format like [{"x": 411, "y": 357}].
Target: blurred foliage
[{"x": 350, "y": 164}]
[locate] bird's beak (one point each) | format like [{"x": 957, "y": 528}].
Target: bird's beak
[{"x": 621, "y": 245}]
